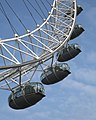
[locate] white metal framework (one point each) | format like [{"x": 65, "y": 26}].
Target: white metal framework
[{"x": 22, "y": 54}]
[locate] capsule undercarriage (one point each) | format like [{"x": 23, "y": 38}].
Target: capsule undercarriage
[
  {"x": 55, "y": 73},
  {"x": 27, "y": 96},
  {"x": 71, "y": 12},
  {"x": 25, "y": 101},
  {"x": 68, "y": 53},
  {"x": 78, "y": 29}
]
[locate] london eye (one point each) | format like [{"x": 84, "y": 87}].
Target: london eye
[{"x": 34, "y": 44}]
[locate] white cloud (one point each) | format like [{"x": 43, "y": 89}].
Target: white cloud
[
  {"x": 91, "y": 15},
  {"x": 86, "y": 75},
  {"x": 91, "y": 57}
]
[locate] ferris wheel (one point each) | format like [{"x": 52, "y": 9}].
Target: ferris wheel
[{"x": 35, "y": 45}]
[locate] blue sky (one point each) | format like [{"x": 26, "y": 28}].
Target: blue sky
[{"x": 75, "y": 97}]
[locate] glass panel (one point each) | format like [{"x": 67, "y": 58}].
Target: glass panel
[
  {"x": 77, "y": 46},
  {"x": 17, "y": 89},
  {"x": 27, "y": 89},
  {"x": 40, "y": 88},
  {"x": 18, "y": 94},
  {"x": 15, "y": 95},
  {"x": 46, "y": 73},
  {"x": 34, "y": 87}
]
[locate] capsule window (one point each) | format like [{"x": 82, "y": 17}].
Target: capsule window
[
  {"x": 18, "y": 94},
  {"x": 40, "y": 88},
  {"x": 77, "y": 46},
  {"x": 29, "y": 89}
]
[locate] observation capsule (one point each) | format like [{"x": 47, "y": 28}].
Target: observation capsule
[
  {"x": 78, "y": 29},
  {"x": 79, "y": 9},
  {"x": 26, "y": 96},
  {"x": 71, "y": 12},
  {"x": 55, "y": 73},
  {"x": 68, "y": 52}
]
